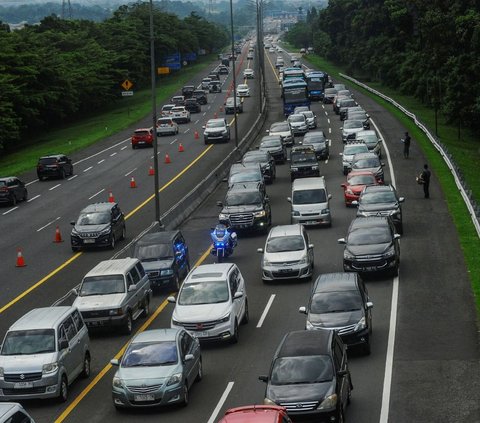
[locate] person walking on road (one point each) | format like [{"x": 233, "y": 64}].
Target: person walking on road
[
  {"x": 406, "y": 145},
  {"x": 424, "y": 179}
]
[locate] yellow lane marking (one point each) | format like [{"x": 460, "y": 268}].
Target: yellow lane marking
[{"x": 273, "y": 68}]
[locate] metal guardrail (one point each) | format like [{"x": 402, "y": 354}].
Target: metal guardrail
[{"x": 465, "y": 192}]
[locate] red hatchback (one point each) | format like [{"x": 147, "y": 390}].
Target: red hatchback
[
  {"x": 142, "y": 137},
  {"x": 357, "y": 180},
  {"x": 256, "y": 414}
]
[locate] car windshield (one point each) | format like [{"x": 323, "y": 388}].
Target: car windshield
[
  {"x": 335, "y": 302},
  {"x": 369, "y": 236},
  {"x": 141, "y": 133},
  {"x": 301, "y": 370},
  {"x": 242, "y": 87},
  {"x": 379, "y": 197},
  {"x": 280, "y": 127},
  {"x": 357, "y": 116},
  {"x": 308, "y": 114},
  {"x": 296, "y": 118},
  {"x": 313, "y": 138},
  {"x": 347, "y": 103},
  {"x": 164, "y": 121},
  {"x": 25, "y": 342},
  {"x": 310, "y": 196},
  {"x": 102, "y": 285},
  {"x": 330, "y": 91},
  {"x": 246, "y": 176},
  {"x": 361, "y": 180},
  {"x": 255, "y": 158},
  {"x": 271, "y": 143},
  {"x": 146, "y": 354},
  {"x": 48, "y": 160},
  {"x": 153, "y": 252},
  {"x": 216, "y": 124},
  {"x": 366, "y": 163},
  {"x": 368, "y": 139},
  {"x": 352, "y": 124},
  {"x": 93, "y": 218},
  {"x": 350, "y": 150},
  {"x": 285, "y": 243},
  {"x": 303, "y": 157},
  {"x": 206, "y": 292},
  {"x": 243, "y": 198}
]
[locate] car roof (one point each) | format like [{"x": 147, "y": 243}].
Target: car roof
[
  {"x": 285, "y": 230},
  {"x": 8, "y": 407},
  {"x": 245, "y": 186},
  {"x": 218, "y": 271},
  {"x": 42, "y": 318},
  {"x": 216, "y": 120},
  {"x": 253, "y": 413},
  {"x": 53, "y": 156},
  {"x": 142, "y": 130},
  {"x": 379, "y": 188},
  {"x": 98, "y": 207},
  {"x": 334, "y": 282},
  {"x": 305, "y": 183},
  {"x": 112, "y": 267},
  {"x": 368, "y": 155},
  {"x": 168, "y": 106},
  {"x": 153, "y": 335},
  {"x": 305, "y": 343},
  {"x": 162, "y": 237}
]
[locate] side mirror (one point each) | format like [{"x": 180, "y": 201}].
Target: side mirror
[
  {"x": 267, "y": 131},
  {"x": 382, "y": 164},
  {"x": 341, "y": 127},
  {"x": 341, "y": 373},
  {"x": 219, "y": 204},
  {"x": 401, "y": 199},
  {"x": 188, "y": 357},
  {"x": 329, "y": 196},
  {"x": 343, "y": 185},
  {"x": 341, "y": 241},
  {"x": 72, "y": 223},
  {"x": 132, "y": 288},
  {"x": 237, "y": 295},
  {"x": 340, "y": 154},
  {"x": 74, "y": 291},
  {"x": 354, "y": 203},
  {"x": 114, "y": 362},
  {"x": 259, "y": 250},
  {"x": 203, "y": 127},
  {"x": 310, "y": 246},
  {"x": 171, "y": 299},
  {"x": 63, "y": 345},
  {"x": 263, "y": 378},
  {"x": 380, "y": 140},
  {"x": 302, "y": 310},
  {"x": 397, "y": 236},
  {"x": 289, "y": 199},
  {"x": 369, "y": 305},
  {"x": 225, "y": 180}
]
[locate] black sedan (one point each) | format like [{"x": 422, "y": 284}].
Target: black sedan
[
  {"x": 266, "y": 161},
  {"x": 192, "y": 105},
  {"x": 12, "y": 190},
  {"x": 273, "y": 144}
]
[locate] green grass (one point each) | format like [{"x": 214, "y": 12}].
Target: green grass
[
  {"x": 466, "y": 153},
  {"x": 81, "y": 134}
]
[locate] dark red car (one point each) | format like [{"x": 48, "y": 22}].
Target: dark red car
[
  {"x": 142, "y": 137},
  {"x": 256, "y": 414},
  {"x": 357, "y": 180}
]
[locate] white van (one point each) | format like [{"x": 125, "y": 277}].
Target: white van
[
  {"x": 310, "y": 202},
  {"x": 13, "y": 412}
]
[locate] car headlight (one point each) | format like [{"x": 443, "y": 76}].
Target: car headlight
[
  {"x": 1, "y": 372},
  {"x": 268, "y": 401},
  {"x": 224, "y": 131},
  {"x": 223, "y": 216},
  {"x": 294, "y": 169},
  {"x": 174, "y": 379},
  {"x": 348, "y": 256},
  {"x": 390, "y": 252},
  {"x": 225, "y": 319},
  {"x": 396, "y": 213},
  {"x": 328, "y": 403},
  {"x": 117, "y": 382},
  {"x": 74, "y": 232},
  {"x": 115, "y": 312},
  {"x": 362, "y": 324},
  {"x": 49, "y": 368},
  {"x": 314, "y": 167},
  {"x": 266, "y": 262},
  {"x": 303, "y": 260},
  {"x": 166, "y": 272},
  {"x": 106, "y": 231},
  {"x": 325, "y": 211},
  {"x": 260, "y": 213},
  {"x": 295, "y": 213},
  {"x": 309, "y": 326}
]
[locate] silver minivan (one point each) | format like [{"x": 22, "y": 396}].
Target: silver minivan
[
  {"x": 43, "y": 353},
  {"x": 13, "y": 412},
  {"x": 310, "y": 202}
]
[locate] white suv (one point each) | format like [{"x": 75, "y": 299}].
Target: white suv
[
  {"x": 212, "y": 302},
  {"x": 216, "y": 129},
  {"x": 180, "y": 114}
]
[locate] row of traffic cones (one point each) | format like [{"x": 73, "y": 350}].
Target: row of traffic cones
[{"x": 21, "y": 260}]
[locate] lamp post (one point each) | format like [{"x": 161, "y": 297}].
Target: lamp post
[
  {"x": 234, "y": 77},
  {"x": 154, "y": 117}
]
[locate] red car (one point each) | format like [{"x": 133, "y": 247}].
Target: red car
[
  {"x": 256, "y": 414},
  {"x": 142, "y": 137},
  {"x": 356, "y": 181}
]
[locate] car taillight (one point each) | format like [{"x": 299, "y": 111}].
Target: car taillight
[{"x": 3, "y": 189}]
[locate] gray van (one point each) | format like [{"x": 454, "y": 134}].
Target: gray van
[
  {"x": 43, "y": 353},
  {"x": 310, "y": 202},
  {"x": 13, "y": 412}
]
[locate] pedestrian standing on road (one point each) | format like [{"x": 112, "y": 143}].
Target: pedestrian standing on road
[
  {"x": 406, "y": 145},
  {"x": 424, "y": 179}
]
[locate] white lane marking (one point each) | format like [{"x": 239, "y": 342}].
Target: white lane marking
[
  {"x": 265, "y": 312},
  {"x": 31, "y": 182},
  {"x": 323, "y": 106},
  {"x": 133, "y": 170},
  {"x": 196, "y": 121},
  {"x": 56, "y": 186},
  {"x": 113, "y": 154},
  {"x": 328, "y": 120},
  {"x": 8, "y": 211},
  {"x": 174, "y": 141},
  {"x": 326, "y": 161},
  {"x": 204, "y": 113},
  {"x": 222, "y": 400},
  {"x": 208, "y": 108},
  {"x": 186, "y": 130},
  {"x": 103, "y": 151},
  {"x": 326, "y": 113},
  {"x": 87, "y": 169},
  {"x": 33, "y": 198},
  {"x": 101, "y": 161},
  {"x": 48, "y": 224},
  {"x": 329, "y": 130},
  {"x": 390, "y": 165},
  {"x": 124, "y": 147},
  {"x": 94, "y": 195},
  {"x": 330, "y": 142},
  {"x": 72, "y": 177}
]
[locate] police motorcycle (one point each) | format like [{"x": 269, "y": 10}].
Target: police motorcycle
[{"x": 223, "y": 242}]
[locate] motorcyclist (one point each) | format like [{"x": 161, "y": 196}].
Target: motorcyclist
[{"x": 221, "y": 233}]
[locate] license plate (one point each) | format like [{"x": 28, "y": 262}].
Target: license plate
[
  {"x": 311, "y": 222},
  {"x": 95, "y": 323},
  {"x": 88, "y": 241},
  {"x": 203, "y": 334},
  {"x": 145, "y": 397},
  {"x": 141, "y": 142},
  {"x": 284, "y": 270},
  {"x": 23, "y": 385},
  {"x": 370, "y": 268}
]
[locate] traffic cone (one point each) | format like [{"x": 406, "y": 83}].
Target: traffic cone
[
  {"x": 196, "y": 135},
  {"x": 167, "y": 159},
  {"x": 111, "y": 199},
  {"x": 20, "y": 259},
  {"x": 58, "y": 235},
  {"x": 180, "y": 148},
  {"x": 133, "y": 184},
  {"x": 151, "y": 171}
]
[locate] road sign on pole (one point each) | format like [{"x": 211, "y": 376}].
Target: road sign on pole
[{"x": 126, "y": 85}]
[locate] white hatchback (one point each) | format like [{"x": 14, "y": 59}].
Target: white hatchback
[
  {"x": 212, "y": 302},
  {"x": 243, "y": 90}
]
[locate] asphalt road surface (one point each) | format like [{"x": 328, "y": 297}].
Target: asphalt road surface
[{"x": 424, "y": 363}]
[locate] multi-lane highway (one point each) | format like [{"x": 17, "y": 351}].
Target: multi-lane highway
[{"x": 424, "y": 361}]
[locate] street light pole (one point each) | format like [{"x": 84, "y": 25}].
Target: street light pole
[
  {"x": 154, "y": 117},
  {"x": 234, "y": 77}
]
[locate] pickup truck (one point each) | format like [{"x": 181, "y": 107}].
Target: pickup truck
[{"x": 114, "y": 293}]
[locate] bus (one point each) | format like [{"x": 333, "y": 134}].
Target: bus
[
  {"x": 294, "y": 94},
  {"x": 316, "y": 84}
]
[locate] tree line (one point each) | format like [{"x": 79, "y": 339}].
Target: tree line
[
  {"x": 61, "y": 70},
  {"x": 430, "y": 50}
]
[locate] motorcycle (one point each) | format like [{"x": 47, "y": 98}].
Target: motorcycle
[{"x": 223, "y": 242}]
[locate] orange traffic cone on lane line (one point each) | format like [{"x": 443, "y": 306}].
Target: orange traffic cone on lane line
[
  {"x": 111, "y": 199},
  {"x": 58, "y": 235},
  {"x": 133, "y": 184},
  {"x": 151, "y": 171},
  {"x": 20, "y": 259},
  {"x": 196, "y": 135},
  {"x": 167, "y": 159},
  {"x": 180, "y": 148}
]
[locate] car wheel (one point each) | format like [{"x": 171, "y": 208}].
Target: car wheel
[
  {"x": 71, "y": 171},
  {"x": 25, "y": 195},
  {"x": 112, "y": 242},
  {"x": 14, "y": 200},
  {"x": 86, "y": 366},
  {"x": 63, "y": 175},
  {"x": 206, "y": 142},
  {"x": 124, "y": 233},
  {"x": 235, "y": 336},
  {"x": 128, "y": 326},
  {"x": 41, "y": 178},
  {"x": 246, "y": 316},
  {"x": 176, "y": 283},
  {"x": 200, "y": 371},
  {"x": 146, "y": 308},
  {"x": 185, "y": 394},
  {"x": 63, "y": 395}
]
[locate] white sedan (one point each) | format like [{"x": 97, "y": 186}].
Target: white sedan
[
  {"x": 248, "y": 73},
  {"x": 243, "y": 90}
]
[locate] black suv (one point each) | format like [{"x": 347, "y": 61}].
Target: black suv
[
  {"x": 309, "y": 376},
  {"x": 303, "y": 162},
  {"x": 381, "y": 200},
  {"x": 340, "y": 301},
  {"x": 200, "y": 96},
  {"x": 57, "y": 165},
  {"x": 99, "y": 225},
  {"x": 187, "y": 91},
  {"x": 371, "y": 246},
  {"x": 266, "y": 161},
  {"x": 192, "y": 105},
  {"x": 12, "y": 190},
  {"x": 164, "y": 256},
  {"x": 344, "y": 105},
  {"x": 246, "y": 206}
]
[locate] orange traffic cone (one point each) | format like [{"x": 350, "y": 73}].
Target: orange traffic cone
[
  {"x": 196, "y": 135},
  {"x": 133, "y": 184},
  {"x": 151, "y": 171},
  {"x": 111, "y": 199},
  {"x": 180, "y": 148},
  {"x": 58, "y": 235},
  {"x": 20, "y": 259},
  {"x": 167, "y": 158}
]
